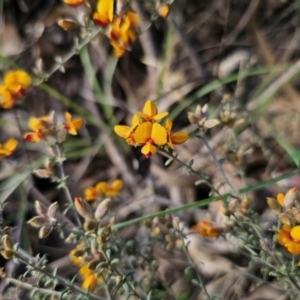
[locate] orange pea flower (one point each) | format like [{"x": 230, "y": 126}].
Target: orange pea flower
[
  {"x": 8, "y": 148},
  {"x": 15, "y": 84},
  {"x": 127, "y": 132},
  {"x": 72, "y": 126},
  {"x": 150, "y": 112},
  {"x": 122, "y": 33},
  {"x": 150, "y": 135},
  {"x": 104, "y": 12},
  {"x": 40, "y": 129},
  {"x": 175, "y": 138},
  {"x": 103, "y": 188},
  {"x": 73, "y": 3},
  {"x": 208, "y": 229},
  {"x": 289, "y": 237}
]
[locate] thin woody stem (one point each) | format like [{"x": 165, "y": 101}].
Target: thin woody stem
[
  {"x": 219, "y": 166},
  {"x": 190, "y": 169}
]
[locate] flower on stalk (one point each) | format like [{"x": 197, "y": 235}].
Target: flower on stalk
[
  {"x": 175, "y": 138},
  {"x": 150, "y": 136},
  {"x": 15, "y": 84},
  {"x": 122, "y": 32},
  {"x": 146, "y": 132},
  {"x": 104, "y": 13},
  {"x": 208, "y": 229},
  {"x": 46, "y": 129},
  {"x": 46, "y": 219},
  {"x": 8, "y": 148},
  {"x": 103, "y": 189},
  {"x": 43, "y": 128},
  {"x": 72, "y": 126},
  {"x": 83, "y": 208},
  {"x": 7, "y": 247},
  {"x": 289, "y": 237}
]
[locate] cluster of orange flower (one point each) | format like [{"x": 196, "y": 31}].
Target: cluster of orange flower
[
  {"x": 289, "y": 215},
  {"x": 89, "y": 278},
  {"x": 120, "y": 29},
  {"x": 46, "y": 129},
  {"x": 103, "y": 189},
  {"x": 15, "y": 84},
  {"x": 147, "y": 132}
]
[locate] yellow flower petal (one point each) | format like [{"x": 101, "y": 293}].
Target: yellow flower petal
[
  {"x": 132, "y": 17},
  {"x": 35, "y": 124},
  {"x": 85, "y": 271},
  {"x": 164, "y": 10},
  {"x": 78, "y": 123},
  {"x": 148, "y": 150},
  {"x": 150, "y": 108},
  {"x": 283, "y": 237},
  {"x": 7, "y": 99},
  {"x": 119, "y": 50},
  {"x": 179, "y": 137},
  {"x": 293, "y": 248},
  {"x": 169, "y": 125},
  {"x": 104, "y": 14},
  {"x": 101, "y": 187},
  {"x": 143, "y": 132},
  {"x": 160, "y": 116},
  {"x": 16, "y": 80},
  {"x": 295, "y": 233},
  {"x": 280, "y": 198},
  {"x": 117, "y": 185},
  {"x": 121, "y": 130},
  {"x": 11, "y": 145},
  {"x": 159, "y": 134},
  {"x": 90, "y": 194},
  {"x": 90, "y": 282}
]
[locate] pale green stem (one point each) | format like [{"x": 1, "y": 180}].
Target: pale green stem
[{"x": 63, "y": 177}]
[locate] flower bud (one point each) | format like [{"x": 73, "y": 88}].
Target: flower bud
[
  {"x": 90, "y": 225},
  {"x": 7, "y": 242},
  {"x": 40, "y": 208},
  {"x": 284, "y": 218},
  {"x": 38, "y": 221},
  {"x": 232, "y": 205},
  {"x": 102, "y": 209},
  {"x": 170, "y": 246},
  {"x": 52, "y": 210},
  {"x": 273, "y": 204},
  {"x": 245, "y": 204},
  {"x": 83, "y": 208},
  {"x": 192, "y": 118},
  {"x": 290, "y": 197},
  {"x": 67, "y": 24},
  {"x": 45, "y": 230},
  {"x": 8, "y": 254}
]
